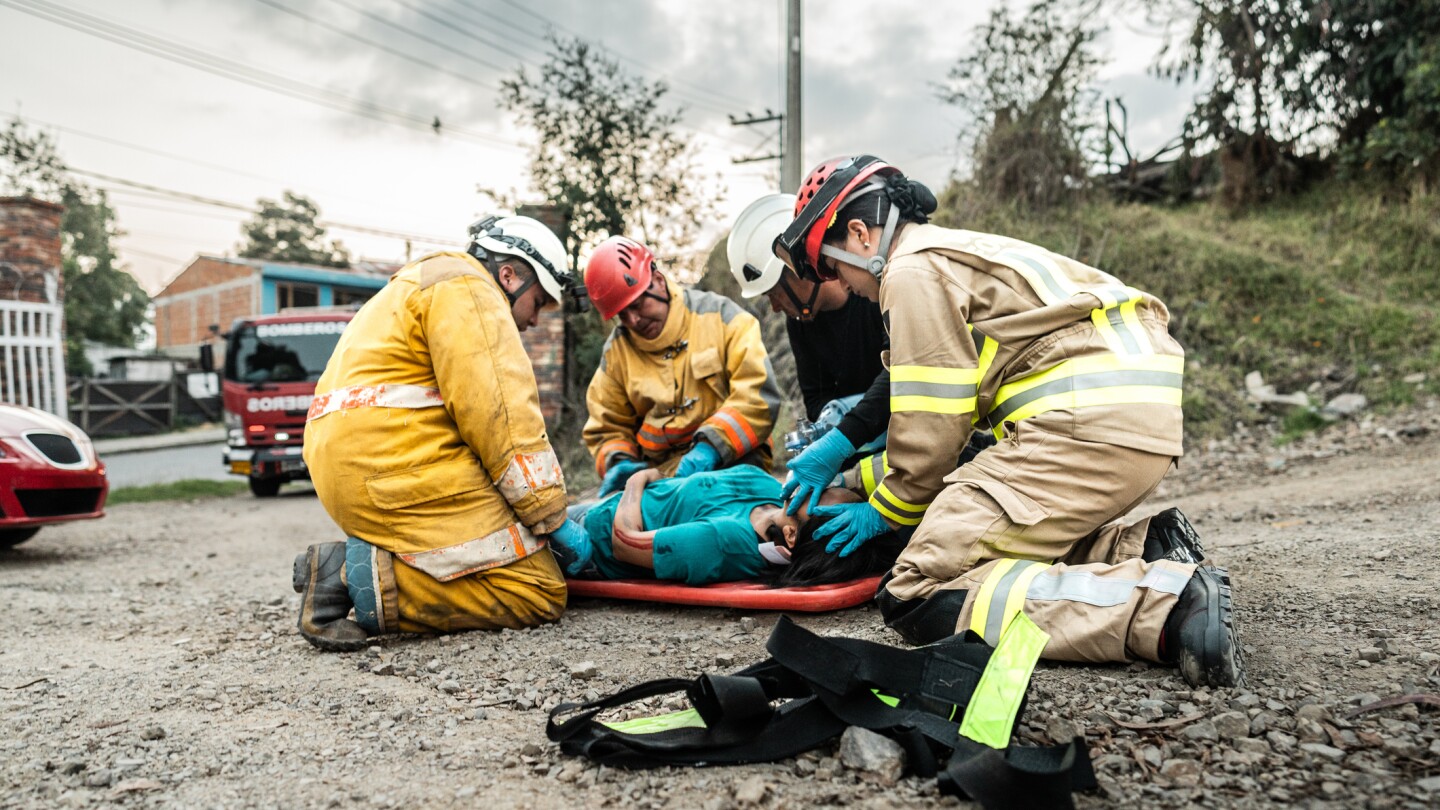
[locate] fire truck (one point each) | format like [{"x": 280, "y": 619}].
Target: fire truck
[{"x": 271, "y": 365}]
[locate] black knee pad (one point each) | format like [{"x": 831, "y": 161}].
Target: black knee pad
[{"x": 921, "y": 621}]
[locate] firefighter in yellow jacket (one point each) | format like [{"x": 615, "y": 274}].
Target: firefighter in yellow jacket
[
  {"x": 684, "y": 382},
  {"x": 426, "y": 445},
  {"x": 1079, "y": 379}
]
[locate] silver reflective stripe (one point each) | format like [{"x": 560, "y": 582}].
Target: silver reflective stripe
[
  {"x": 1085, "y": 382},
  {"x": 1092, "y": 589},
  {"x": 1051, "y": 283},
  {"x": 1112, "y": 314},
  {"x": 995, "y": 619},
  {"x": 742, "y": 432},
  {"x": 929, "y": 389}
]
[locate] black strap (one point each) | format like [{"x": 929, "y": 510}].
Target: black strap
[{"x": 1020, "y": 778}]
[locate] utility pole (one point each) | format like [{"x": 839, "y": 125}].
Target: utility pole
[{"x": 792, "y": 163}]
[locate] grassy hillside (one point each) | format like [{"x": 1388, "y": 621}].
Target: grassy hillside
[{"x": 1335, "y": 289}]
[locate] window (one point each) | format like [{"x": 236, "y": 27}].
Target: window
[
  {"x": 289, "y": 294},
  {"x": 344, "y": 297}
]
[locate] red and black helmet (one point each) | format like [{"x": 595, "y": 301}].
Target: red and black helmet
[{"x": 818, "y": 201}]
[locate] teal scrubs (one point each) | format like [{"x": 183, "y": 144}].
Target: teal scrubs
[{"x": 702, "y": 522}]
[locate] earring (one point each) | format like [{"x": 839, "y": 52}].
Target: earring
[{"x": 867, "y": 244}]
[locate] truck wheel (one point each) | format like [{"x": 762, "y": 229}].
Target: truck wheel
[
  {"x": 266, "y": 487},
  {"x": 14, "y": 537}
]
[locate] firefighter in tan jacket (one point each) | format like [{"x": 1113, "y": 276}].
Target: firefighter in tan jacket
[
  {"x": 1079, "y": 379},
  {"x": 426, "y": 445},
  {"x": 684, "y": 382}
]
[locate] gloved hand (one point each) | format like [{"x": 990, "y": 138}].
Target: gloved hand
[
  {"x": 850, "y": 525},
  {"x": 814, "y": 469},
  {"x": 619, "y": 472},
  {"x": 701, "y": 458},
  {"x": 572, "y": 547}
]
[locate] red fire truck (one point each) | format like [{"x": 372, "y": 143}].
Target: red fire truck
[{"x": 271, "y": 365}]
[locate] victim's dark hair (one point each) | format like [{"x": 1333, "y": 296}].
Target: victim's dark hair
[{"x": 811, "y": 564}]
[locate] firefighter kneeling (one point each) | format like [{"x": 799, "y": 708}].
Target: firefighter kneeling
[{"x": 426, "y": 445}]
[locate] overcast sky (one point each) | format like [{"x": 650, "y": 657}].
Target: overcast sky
[{"x": 132, "y": 115}]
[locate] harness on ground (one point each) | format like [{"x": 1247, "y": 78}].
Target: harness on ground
[{"x": 951, "y": 705}]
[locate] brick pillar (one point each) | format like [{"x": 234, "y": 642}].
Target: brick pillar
[{"x": 29, "y": 248}]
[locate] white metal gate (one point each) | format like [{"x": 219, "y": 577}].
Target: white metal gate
[{"x": 32, "y": 356}]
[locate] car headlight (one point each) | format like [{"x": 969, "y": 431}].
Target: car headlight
[{"x": 235, "y": 437}]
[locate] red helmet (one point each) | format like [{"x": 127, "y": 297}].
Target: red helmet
[
  {"x": 618, "y": 272},
  {"x": 818, "y": 201}
]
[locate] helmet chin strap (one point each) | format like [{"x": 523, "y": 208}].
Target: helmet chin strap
[
  {"x": 806, "y": 308},
  {"x": 874, "y": 264}
]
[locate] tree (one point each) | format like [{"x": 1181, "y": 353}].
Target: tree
[
  {"x": 103, "y": 303},
  {"x": 1026, "y": 88},
  {"x": 287, "y": 231},
  {"x": 608, "y": 154},
  {"x": 1355, "y": 78}
]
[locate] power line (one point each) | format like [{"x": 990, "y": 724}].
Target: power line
[
  {"x": 186, "y": 196},
  {"x": 422, "y": 37},
  {"x": 235, "y": 71},
  {"x": 378, "y": 45}
]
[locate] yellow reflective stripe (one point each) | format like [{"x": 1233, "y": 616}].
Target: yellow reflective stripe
[
  {"x": 939, "y": 375},
  {"x": 687, "y": 718},
  {"x": 1014, "y": 596},
  {"x": 1084, "y": 381},
  {"x": 872, "y": 471},
  {"x": 942, "y": 405},
  {"x": 1117, "y": 322},
  {"x": 990, "y": 717},
  {"x": 980, "y": 610},
  {"x": 1044, "y": 276},
  {"x": 898, "y": 511}
]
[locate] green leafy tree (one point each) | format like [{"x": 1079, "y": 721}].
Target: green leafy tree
[
  {"x": 1026, "y": 86},
  {"x": 287, "y": 231},
  {"x": 103, "y": 303},
  {"x": 1356, "y": 78},
  {"x": 608, "y": 153}
]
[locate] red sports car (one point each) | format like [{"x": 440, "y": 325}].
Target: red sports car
[{"x": 49, "y": 473}]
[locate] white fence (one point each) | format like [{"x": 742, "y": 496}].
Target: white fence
[{"x": 32, "y": 356}]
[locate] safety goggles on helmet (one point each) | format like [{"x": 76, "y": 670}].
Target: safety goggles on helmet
[{"x": 825, "y": 190}]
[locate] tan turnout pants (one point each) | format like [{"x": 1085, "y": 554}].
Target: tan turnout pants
[{"x": 1033, "y": 524}]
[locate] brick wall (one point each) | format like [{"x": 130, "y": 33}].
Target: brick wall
[
  {"x": 29, "y": 248},
  {"x": 209, "y": 291},
  {"x": 545, "y": 343}
]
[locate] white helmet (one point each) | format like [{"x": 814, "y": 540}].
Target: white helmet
[
  {"x": 529, "y": 239},
  {"x": 752, "y": 261}
]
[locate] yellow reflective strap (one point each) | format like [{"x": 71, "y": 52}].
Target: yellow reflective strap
[
  {"x": 1132, "y": 319},
  {"x": 872, "y": 471},
  {"x": 1115, "y": 395},
  {"x": 1101, "y": 319},
  {"x": 980, "y": 612},
  {"x": 689, "y": 718},
  {"x": 896, "y": 510},
  {"x": 990, "y": 717},
  {"x": 1015, "y": 600}
]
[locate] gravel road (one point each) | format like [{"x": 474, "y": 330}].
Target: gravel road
[{"x": 152, "y": 660}]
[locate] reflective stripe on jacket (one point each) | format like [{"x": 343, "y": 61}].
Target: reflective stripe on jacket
[
  {"x": 706, "y": 376},
  {"x": 425, "y": 436},
  {"x": 988, "y": 331}
]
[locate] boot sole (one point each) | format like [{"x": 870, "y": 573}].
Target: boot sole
[
  {"x": 1223, "y": 664},
  {"x": 1188, "y": 550}
]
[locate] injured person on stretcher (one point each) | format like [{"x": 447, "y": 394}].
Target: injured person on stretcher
[{"x": 711, "y": 527}]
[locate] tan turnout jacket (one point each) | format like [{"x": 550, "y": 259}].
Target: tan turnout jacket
[{"x": 986, "y": 331}]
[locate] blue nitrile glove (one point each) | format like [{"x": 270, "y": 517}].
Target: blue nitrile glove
[
  {"x": 850, "y": 525},
  {"x": 701, "y": 458},
  {"x": 619, "y": 472},
  {"x": 572, "y": 547},
  {"x": 814, "y": 469}
]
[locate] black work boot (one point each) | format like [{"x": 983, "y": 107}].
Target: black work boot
[
  {"x": 1200, "y": 635},
  {"x": 1171, "y": 537},
  {"x": 325, "y": 604}
]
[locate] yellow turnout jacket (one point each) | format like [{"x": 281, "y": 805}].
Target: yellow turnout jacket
[
  {"x": 425, "y": 436},
  {"x": 707, "y": 375}
]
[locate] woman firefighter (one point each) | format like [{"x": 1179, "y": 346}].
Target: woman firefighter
[{"x": 1077, "y": 376}]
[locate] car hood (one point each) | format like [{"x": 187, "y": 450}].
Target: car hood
[{"x": 17, "y": 420}]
